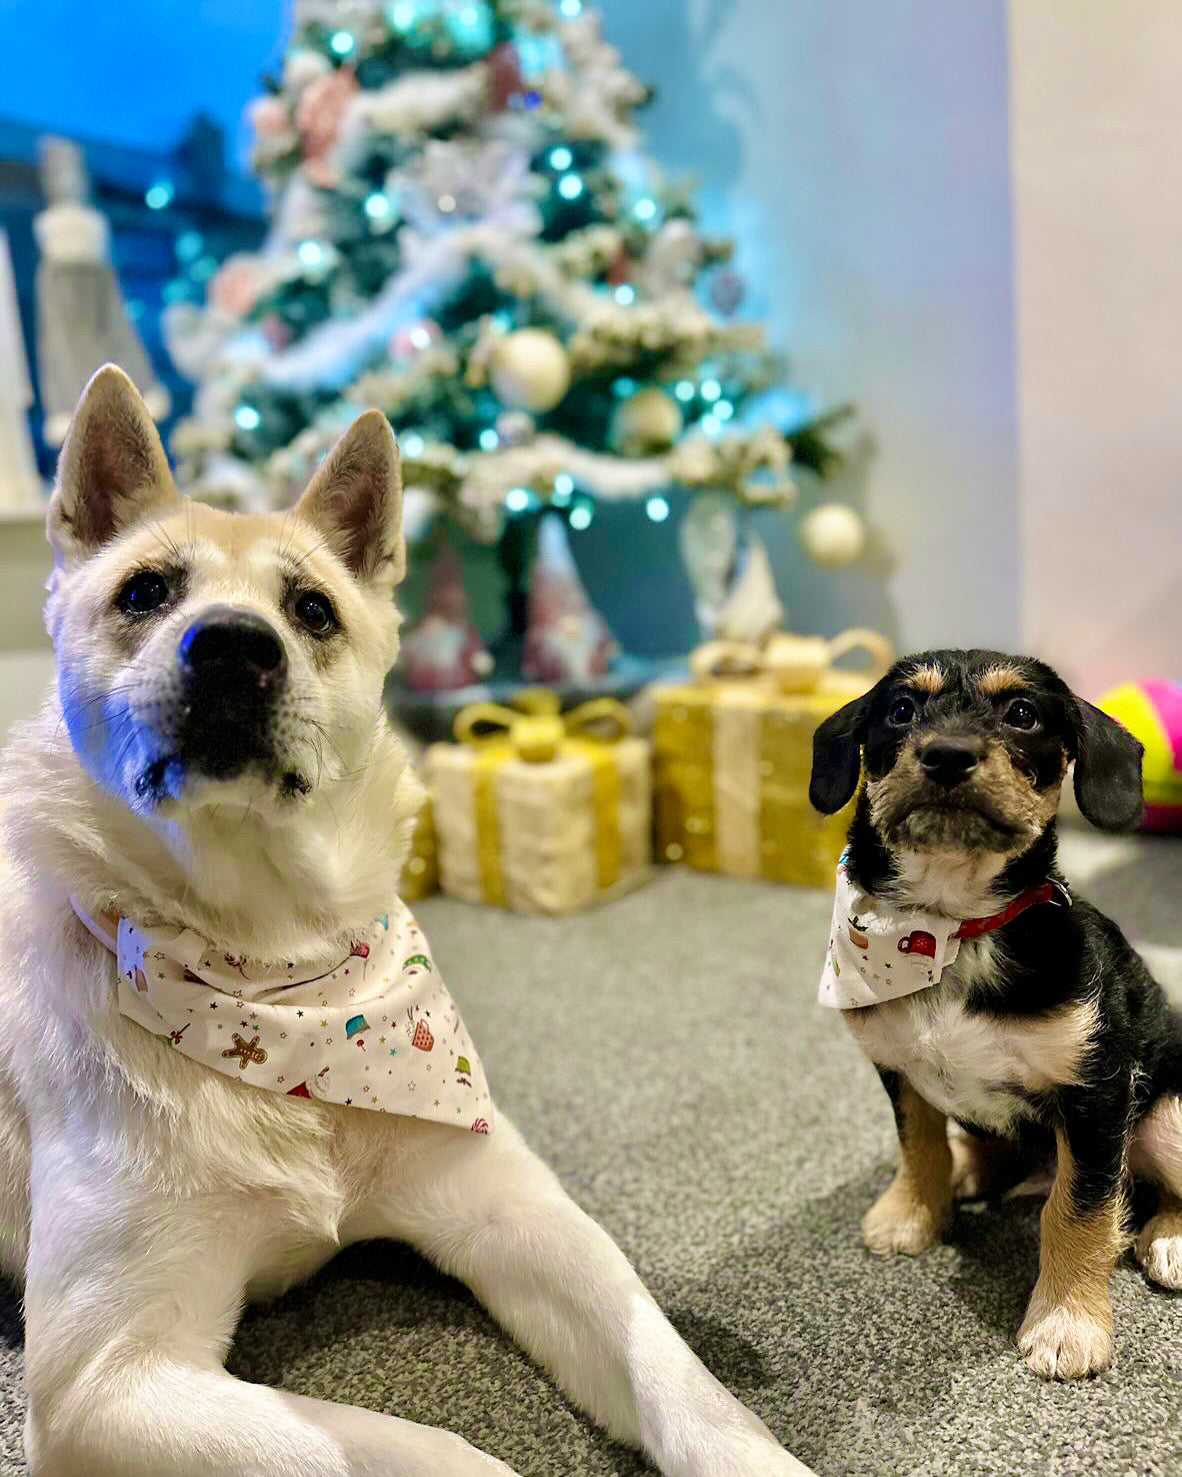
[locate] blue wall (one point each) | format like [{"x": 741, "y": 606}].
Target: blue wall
[{"x": 134, "y": 71}]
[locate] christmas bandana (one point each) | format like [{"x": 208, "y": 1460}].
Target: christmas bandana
[
  {"x": 373, "y": 1029},
  {"x": 877, "y": 952}
]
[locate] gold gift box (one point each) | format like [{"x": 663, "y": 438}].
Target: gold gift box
[
  {"x": 420, "y": 875},
  {"x": 539, "y": 812},
  {"x": 732, "y": 754}
]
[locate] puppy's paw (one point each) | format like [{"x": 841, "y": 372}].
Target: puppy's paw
[
  {"x": 1159, "y": 1250},
  {"x": 974, "y": 1167},
  {"x": 898, "y": 1223},
  {"x": 1063, "y": 1343}
]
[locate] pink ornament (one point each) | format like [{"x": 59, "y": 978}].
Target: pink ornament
[
  {"x": 275, "y": 331},
  {"x": 318, "y": 117},
  {"x": 411, "y": 341},
  {"x": 444, "y": 650},
  {"x": 567, "y": 640},
  {"x": 504, "y": 76},
  {"x": 268, "y": 115},
  {"x": 621, "y": 268},
  {"x": 234, "y": 287}
]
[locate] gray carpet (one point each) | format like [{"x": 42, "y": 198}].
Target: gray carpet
[{"x": 665, "y": 1055}]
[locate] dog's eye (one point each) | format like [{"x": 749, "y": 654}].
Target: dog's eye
[
  {"x": 143, "y": 593},
  {"x": 315, "y": 611},
  {"x": 901, "y": 713},
  {"x": 1022, "y": 713}
]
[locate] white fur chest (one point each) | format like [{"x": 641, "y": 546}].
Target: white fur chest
[{"x": 972, "y": 1066}]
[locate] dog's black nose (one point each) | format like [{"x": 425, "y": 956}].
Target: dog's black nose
[
  {"x": 948, "y": 761},
  {"x": 228, "y": 643}
]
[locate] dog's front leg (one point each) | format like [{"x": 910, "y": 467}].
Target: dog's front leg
[
  {"x": 910, "y": 1214},
  {"x": 488, "y": 1211},
  {"x": 1067, "y": 1331},
  {"x": 131, "y": 1301}
]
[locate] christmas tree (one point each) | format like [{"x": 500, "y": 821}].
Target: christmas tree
[{"x": 467, "y": 235}]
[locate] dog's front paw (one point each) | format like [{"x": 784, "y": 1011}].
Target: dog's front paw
[
  {"x": 1063, "y": 1343},
  {"x": 1159, "y": 1250},
  {"x": 898, "y": 1222},
  {"x": 751, "y": 1455}
]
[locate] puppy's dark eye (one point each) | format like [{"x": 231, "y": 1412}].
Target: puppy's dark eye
[
  {"x": 901, "y": 712},
  {"x": 315, "y": 611},
  {"x": 143, "y": 593},
  {"x": 1022, "y": 713}
]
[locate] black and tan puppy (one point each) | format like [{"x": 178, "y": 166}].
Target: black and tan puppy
[{"x": 1045, "y": 1029}]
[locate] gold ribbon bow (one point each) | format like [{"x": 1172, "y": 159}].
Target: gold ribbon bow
[
  {"x": 536, "y": 730},
  {"x": 792, "y": 664}
]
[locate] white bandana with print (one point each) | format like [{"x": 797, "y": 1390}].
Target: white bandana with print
[
  {"x": 878, "y": 952},
  {"x": 375, "y": 1029}
]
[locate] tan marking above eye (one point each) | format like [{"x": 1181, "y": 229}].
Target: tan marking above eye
[
  {"x": 928, "y": 678},
  {"x": 996, "y": 680}
]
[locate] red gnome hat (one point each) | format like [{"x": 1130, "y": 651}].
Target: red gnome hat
[
  {"x": 444, "y": 650},
  {"x": 567, "y": 641}
]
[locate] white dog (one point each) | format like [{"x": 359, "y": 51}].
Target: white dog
[{"x": 216, "y": 768}]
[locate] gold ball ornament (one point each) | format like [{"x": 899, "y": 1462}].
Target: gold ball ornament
[
  {"x": 833, "y": 535},
  {"x": 648, "y": 421},
  {"x": 530, "y": 370}
]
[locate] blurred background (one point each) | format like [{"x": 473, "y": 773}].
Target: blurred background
[{"x": 953, "y": 223}]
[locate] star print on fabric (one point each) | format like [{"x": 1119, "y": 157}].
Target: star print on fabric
[{"x": 266, "y": 1003}]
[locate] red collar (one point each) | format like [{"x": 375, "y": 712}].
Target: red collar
[{"x": 1048, "y": 892}]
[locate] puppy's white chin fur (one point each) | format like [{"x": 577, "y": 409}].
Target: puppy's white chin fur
[{"x": 955, "y": 882}]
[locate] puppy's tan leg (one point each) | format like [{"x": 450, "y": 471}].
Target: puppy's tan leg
[
  {"x": 1156, "y": 1154},
  {"x": 1159, "y": 1246},
  {"x": 984, "y": 1166},
  {"x": 910, "y": 1215},
  {"x": 1067, "y": 1331}
]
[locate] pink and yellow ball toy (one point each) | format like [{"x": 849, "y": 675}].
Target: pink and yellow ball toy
[{"x": 1152, "y": 712}]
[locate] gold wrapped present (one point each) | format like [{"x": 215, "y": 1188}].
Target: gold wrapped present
[
  {"x": 420, "y": 875},
  {"x": 539, "y": 811},
  {"x": 733, "y": 749}
]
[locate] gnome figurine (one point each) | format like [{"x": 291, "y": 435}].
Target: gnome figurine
[
  {"x": 567, "y": 641},
  {"x": 444, "y": 650}
]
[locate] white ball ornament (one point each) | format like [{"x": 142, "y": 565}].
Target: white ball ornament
[
  {"x": 833, "y": 535},
  {"x": 648, "y": 421},
  {"x": 530, "y": 370}
]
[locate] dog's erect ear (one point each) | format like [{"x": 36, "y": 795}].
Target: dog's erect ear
[
  {"x": 1107, "y": 771},
  {"x": 355, "y": 500},
  {"x": 111, "y": 469},
  {"x": 837, "y": 756}
]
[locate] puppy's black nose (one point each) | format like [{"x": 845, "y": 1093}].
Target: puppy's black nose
[
  {"x": 231, "y": 644},
  {"x": 948, "y": 761}
]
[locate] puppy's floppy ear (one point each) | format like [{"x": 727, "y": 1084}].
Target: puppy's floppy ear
[
  {"x": 111, "y": 470},
  {"x": 837, "y": 756},
  {"x": 1107, "y": 771},
  {"x": 355, "y": 500}
]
